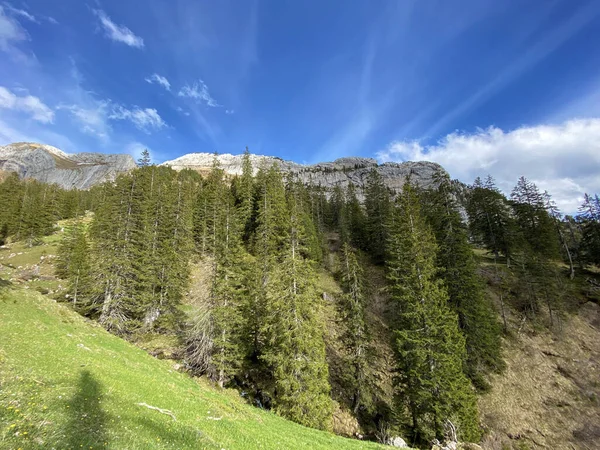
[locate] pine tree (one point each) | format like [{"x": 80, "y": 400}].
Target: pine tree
[{"x": 430, "y": 348}]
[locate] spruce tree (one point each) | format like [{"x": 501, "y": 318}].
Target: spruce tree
[
  {"x": 490, "y": 220},
  {"x": 144, "y": 159},
  {"x": 429, "y": 345},
  {"x": 356, "y": 337},
  {"x": 377, "y": 208},
  {"x": 294, "y": 348},
  {"x": 590, "y": 225},
  {"x": 467, "y": 297},
  {"x": 73, "y": 263}
]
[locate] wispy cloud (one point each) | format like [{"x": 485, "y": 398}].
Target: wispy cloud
[
  {"x": 145, "y": 119},
  {"x": 198, "y": 91},
  {"x": 92, "y": 118},
  {"x": 543, "y": 47},
  {"x": 11, "y": 35},
  {"x": 156, "y": 78},
  {"x": 28, "y": 104},
  {"x": 563, "y": 159},
  {"x": 119, "y": 33},
  {"x": 21, "y": 13}
]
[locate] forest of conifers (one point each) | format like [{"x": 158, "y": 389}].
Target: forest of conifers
[{"x": 126, "y": 255}]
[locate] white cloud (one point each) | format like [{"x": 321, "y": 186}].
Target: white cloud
[
  {"x": 182, "y": 111},
  {"x": 563, "y": 159},
  {"x": 156, "y": 78},
  {"x": 28, "y": 104},
  {"x": 229, "y": 111},
  {"x": 198, "y": 91},
  {"x": 92, "y": 118},
  {"x": 20, "y": 12},
  {"x": 135, "y": 149},
  {"x": 144, "y": 119},
  {"x": 119, "y": 33},
  {"x": 11, "y": 32}
]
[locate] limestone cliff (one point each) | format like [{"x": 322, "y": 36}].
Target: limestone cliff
[{"x": 51, "y": 165}]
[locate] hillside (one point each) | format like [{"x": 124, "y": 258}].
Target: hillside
[{"x": 67, "y": 383}]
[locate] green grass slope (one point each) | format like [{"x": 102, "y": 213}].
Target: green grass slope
[{"x": 66, "y": 383}]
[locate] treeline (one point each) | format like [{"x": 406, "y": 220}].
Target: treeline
[
  {"x": 30, "y": 209},
  {"x": 262, "y": 239}
]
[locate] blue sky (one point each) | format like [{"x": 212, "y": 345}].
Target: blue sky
[{"x": 509, "y": 87}]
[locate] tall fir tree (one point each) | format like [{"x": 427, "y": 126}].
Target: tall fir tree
[
  {"x": 377, "y": 208},
  {"x": 431, "y": 386},
  {"x": 590, "y": 224},
  {"x": 356, "y": 337},
  {"x": 294, "y": 348},
  {"x": 466, "y": 293}
]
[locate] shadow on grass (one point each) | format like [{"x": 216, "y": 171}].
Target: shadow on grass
[{"x": 86, "y": 427}]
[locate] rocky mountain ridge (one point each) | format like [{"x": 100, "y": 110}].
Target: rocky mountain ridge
[
  {"x": 51, "y": 165},
  {"x": 83, "y": 170},
  {"x": 340, "y": 172}
]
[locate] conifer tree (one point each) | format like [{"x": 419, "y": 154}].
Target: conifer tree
[
  {"x": 356, "y": 338},
  {"x": 73, "y": 263},
  {"x": 294, "y": 349},
  {"x": 377, "y": 207},
  {"x": 590, "y": 218},
  {"x": 144, "y": 159},
  {"x": 430, "y": 348},
  {"x": 466, "y": 293}
]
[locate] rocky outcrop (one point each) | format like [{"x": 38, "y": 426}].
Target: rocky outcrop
[
  {"x": 51, "y": 165},
  {"x": 83, "y": 170},
  {"x": 340, "y": 172}
]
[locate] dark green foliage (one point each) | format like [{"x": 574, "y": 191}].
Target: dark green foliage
[
  {"x": 141, "y": 243},
  {"x": 356, "y": 337},
  {"x": 30, "y": 209},
  {"x": 590, "y": 226},
  {"x": 377, "y": 208},
  {"x": 490, "y": 220},
  {"x": 476, "y": 317},
  {"x": 144, "y": 159},
  {"x": 73, "y": 263},
  {"x": 536, "y": 226},
  {"x": 432, "y": 387},
  {"x": 293, "y": 348}
]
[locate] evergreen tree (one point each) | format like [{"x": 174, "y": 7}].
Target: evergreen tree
[
  {"x": 590, "y": 219},
  {"x": 354, "y": 220},
  {"x": 145, "y": 159},
  {"x": 430, "y": 348},
  {"x": 294, "y": 349},
  {"x": 73, "y": 263},
  {"x": 377, "y": 206},
  {"x": 490, "y": 218},
  {"x": 466, "y": 293},
  {"x": 356, "y": 338}
]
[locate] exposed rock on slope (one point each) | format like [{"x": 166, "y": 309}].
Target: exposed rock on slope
[
  {"x": 328, "y": 175},
  {"x": 51, "y": 165},
  {"x": 83, "y": 170}
]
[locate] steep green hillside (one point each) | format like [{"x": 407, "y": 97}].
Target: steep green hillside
[{"x": 67, "y": 383}]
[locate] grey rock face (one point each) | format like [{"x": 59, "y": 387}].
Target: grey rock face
[
  {"x": 51, "y": 165},
  {"x": 83, "y": 170},
  {"x": 340, "y": 172}
]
